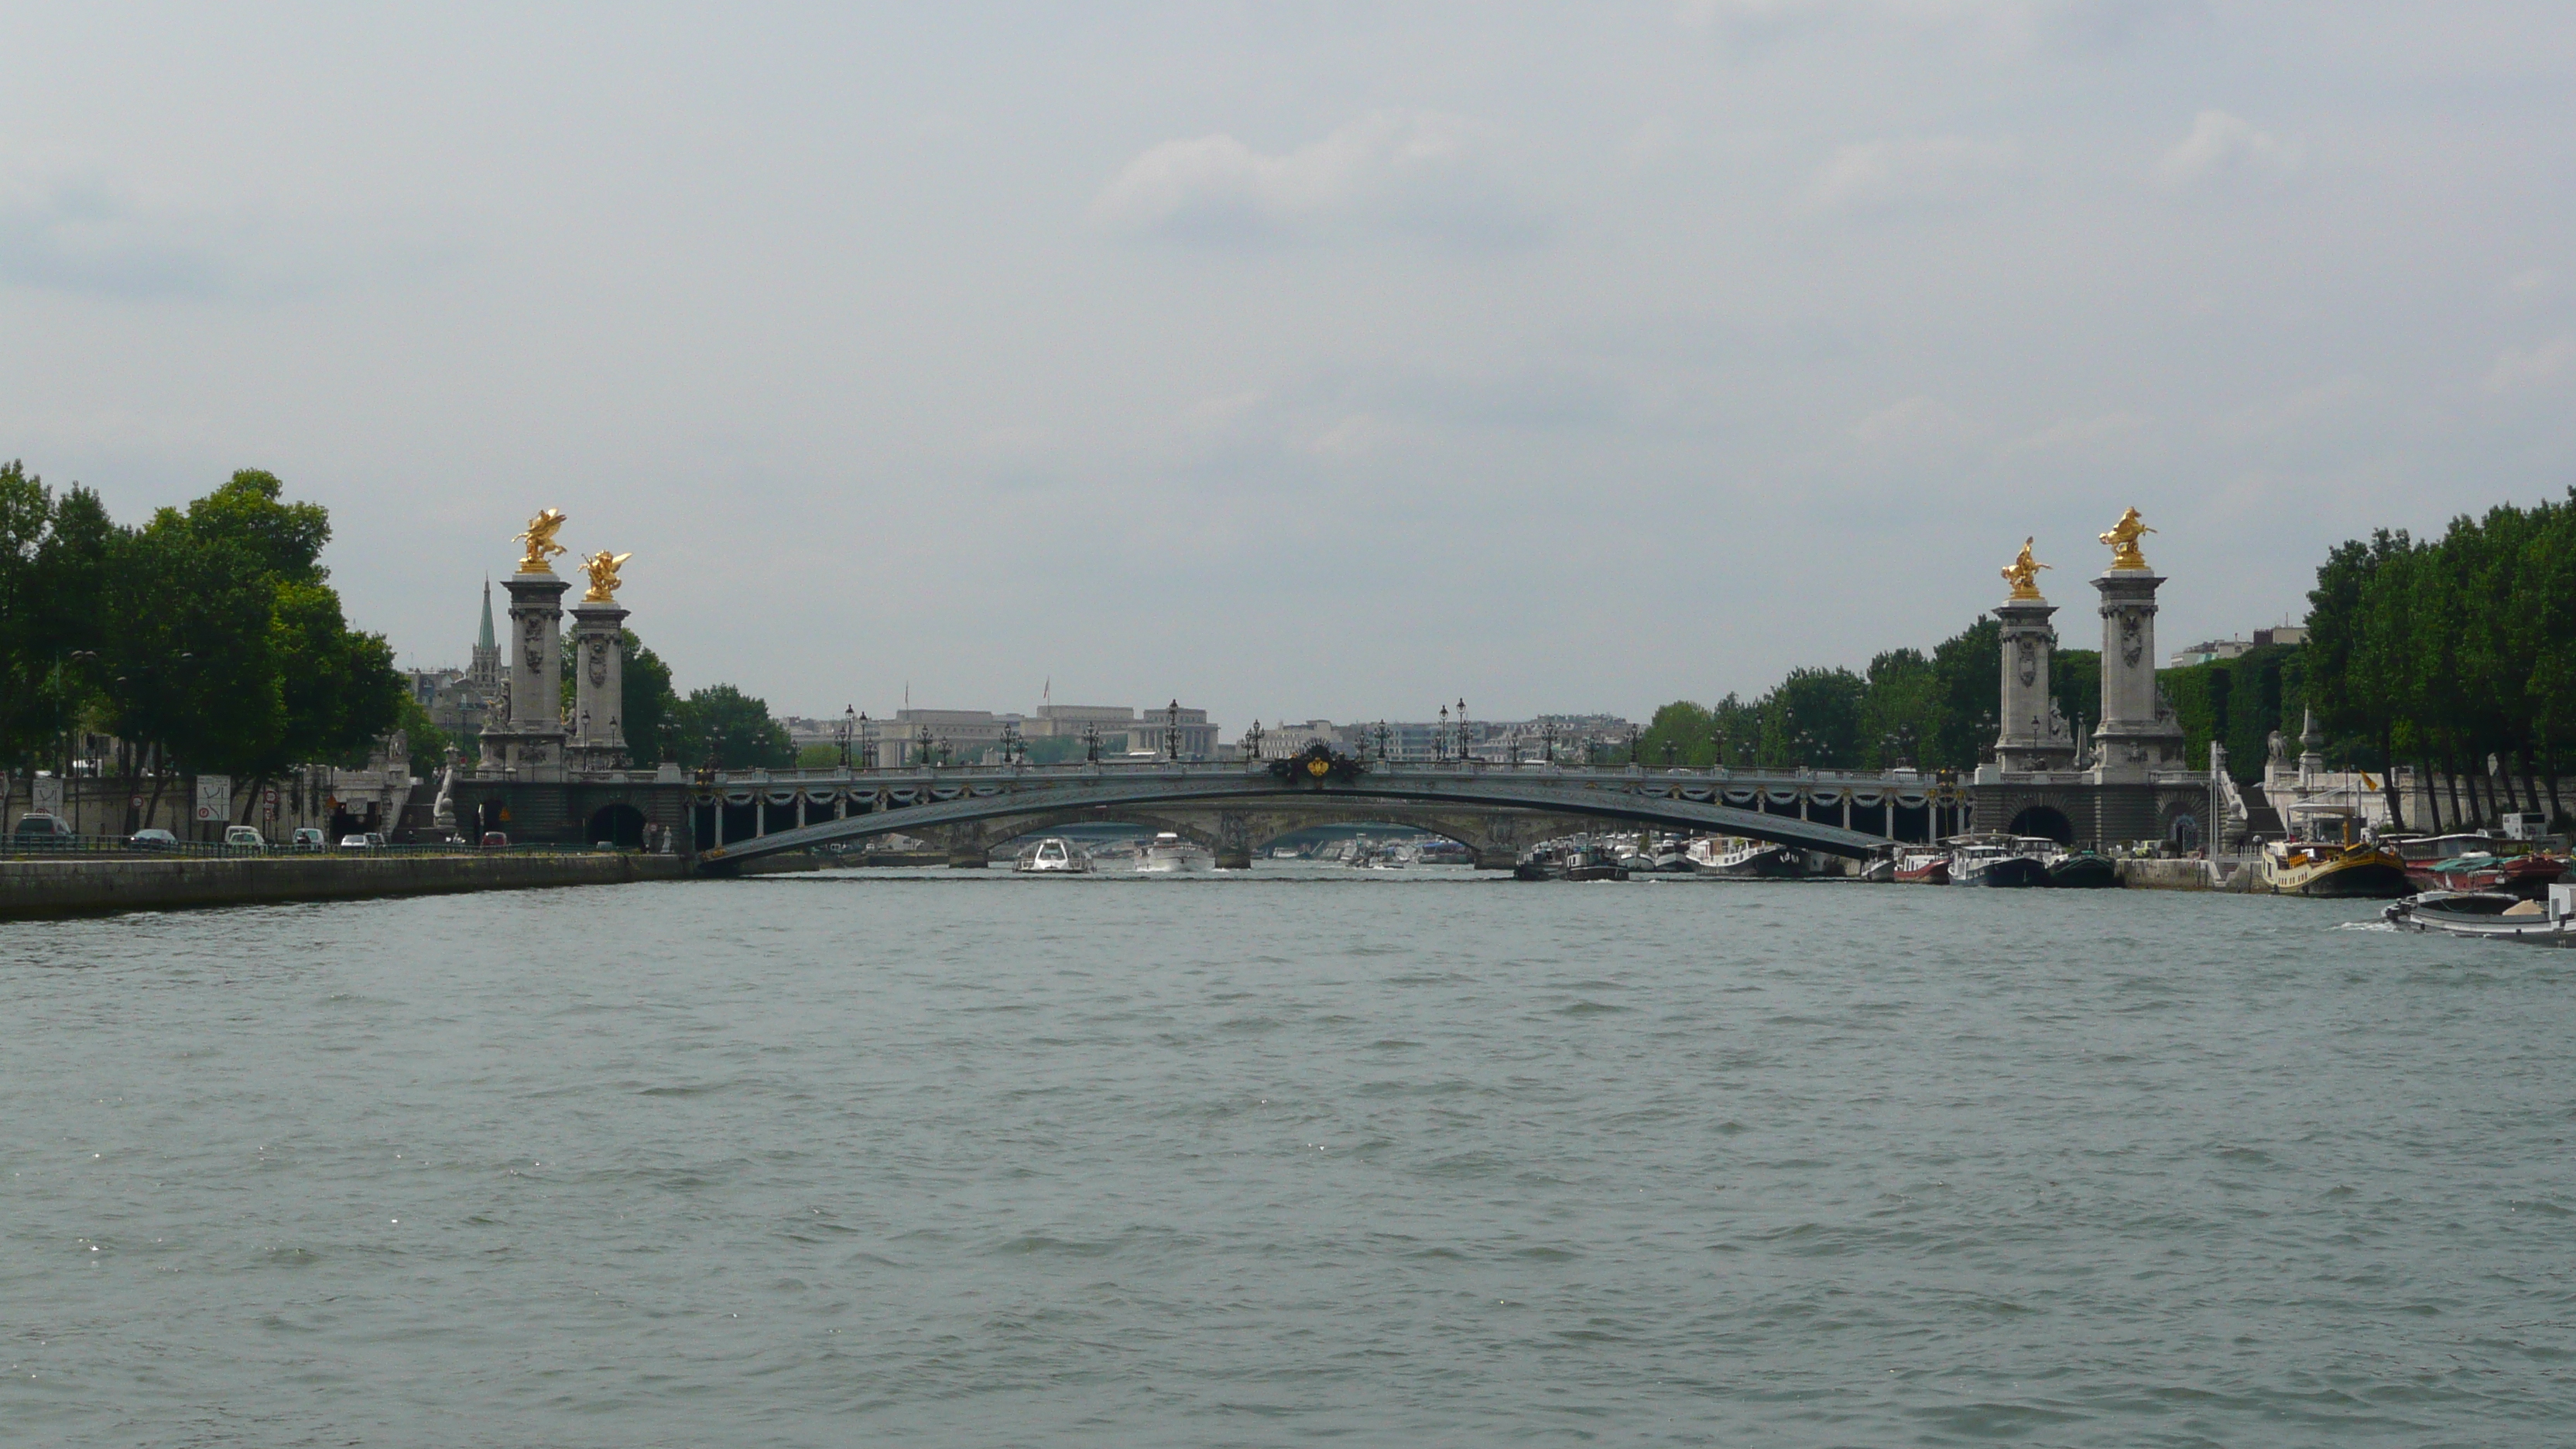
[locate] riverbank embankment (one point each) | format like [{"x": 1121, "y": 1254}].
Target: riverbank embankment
[{"x": 92, "y": 886}]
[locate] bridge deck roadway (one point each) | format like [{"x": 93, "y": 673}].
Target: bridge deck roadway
[{"x": 956, "y": 797}]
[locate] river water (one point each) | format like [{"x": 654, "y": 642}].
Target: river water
[{"x": 1384, "y": 1157}]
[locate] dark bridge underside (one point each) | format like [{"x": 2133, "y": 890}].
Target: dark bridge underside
[{"x": 1628, "y": 800}]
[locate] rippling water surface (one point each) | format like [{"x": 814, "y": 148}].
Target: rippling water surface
[{"x": 1394, "y": 1158}]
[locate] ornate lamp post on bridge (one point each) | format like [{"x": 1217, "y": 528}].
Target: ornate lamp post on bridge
[
  {"x": 845, "y": 732},
  {"x": 1252, "y": 741},
  {"x": 1440, "y": 741}
]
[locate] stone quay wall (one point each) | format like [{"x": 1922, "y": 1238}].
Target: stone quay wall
[{"x": 34, "y": 888}]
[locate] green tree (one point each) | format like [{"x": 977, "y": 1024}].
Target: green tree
[
  {"x": 735, "y": 728},
  {"x": 1899, "y": 710},
  {"x": 1968, "y": 682},
  {"x": 647, "y": 704},
  {"x": 1813, "y": 718},
  {"x": 52, "y": 566},
  {"x": 1682, "y": 733},
  {"x": 190, "y": 651},
  {"x": 225, "y": 646}
]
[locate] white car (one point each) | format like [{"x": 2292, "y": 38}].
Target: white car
[
  {"x": 243, "y": 837},
  {"x": 357, "y": 842}
]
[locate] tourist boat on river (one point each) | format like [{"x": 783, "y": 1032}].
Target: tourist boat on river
[
  {"x": 2344, "y": 869},
  {"x": 1168, "y": 854},
  {"x": 1054, "y": 855},
  {"x": 1997, "y": 859},
  {"x": 2490, "y": 916},
  {"x": 1746, "y": 859},
  {"x": 2083, "y": 870},
  {"x": 1923, "y": 865}
]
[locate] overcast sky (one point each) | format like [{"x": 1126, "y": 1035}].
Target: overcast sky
[{"x": 1299, "y": 359}]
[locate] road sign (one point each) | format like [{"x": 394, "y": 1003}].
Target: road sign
[
  {"x": 49, "y": 794},
  {"x": 214, "y": 797}
]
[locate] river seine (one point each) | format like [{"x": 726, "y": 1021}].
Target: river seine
[{"x": 1406, "y": 1157}]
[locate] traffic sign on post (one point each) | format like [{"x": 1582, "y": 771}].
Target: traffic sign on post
[{"x": 214, "y": 797}]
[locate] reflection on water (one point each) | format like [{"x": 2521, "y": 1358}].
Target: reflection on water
[{"x": 1397, "y": 1156}]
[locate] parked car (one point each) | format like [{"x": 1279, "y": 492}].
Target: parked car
[
  {"x": 43, "y": 830},
  {"x": 152, "y": 838},
  {"x": 244, "y": 837},
  {"x": 356, "y": 842},
  {"x": 308, "y": 837},
  {"x": 375, "y": 840},
  {"x": 495, "y": 840}
]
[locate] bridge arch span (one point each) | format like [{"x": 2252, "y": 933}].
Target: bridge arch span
[{"x": 1527, "y": 800}]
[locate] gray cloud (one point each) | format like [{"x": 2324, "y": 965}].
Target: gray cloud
[
  {"x": 1306, "y": 315},
  {"x": 2226, "y": 150},
  {"x": 78, "y": 236},
  {"x": 1402, "y": 171}
]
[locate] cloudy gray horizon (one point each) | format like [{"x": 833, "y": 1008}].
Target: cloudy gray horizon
[{"x": 1300, "y": 360}]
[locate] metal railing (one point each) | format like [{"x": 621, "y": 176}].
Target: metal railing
[{"x": 59, "y": 847}]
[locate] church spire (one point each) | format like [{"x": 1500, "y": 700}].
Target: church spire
[{"x": 485, "y": 639}]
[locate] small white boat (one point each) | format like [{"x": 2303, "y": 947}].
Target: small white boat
[
  {"x": 1054, "y": 855},
  {"x": 2490, "y": 916},
  {"x": 1168, "y": 854}
]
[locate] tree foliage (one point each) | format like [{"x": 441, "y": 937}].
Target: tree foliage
[
  {"x": 209, "y": 634},
  {"x": 2455, "y": 654},
  {"x": 732, "y": 727}
]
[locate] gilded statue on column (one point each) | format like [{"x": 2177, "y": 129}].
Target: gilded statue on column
[
  {"x": 2123, "y": 539},
  {"x": 2023, "y": 573},
  {"x": 540, "y": 538},
  {"x": 602, "y": 568}
]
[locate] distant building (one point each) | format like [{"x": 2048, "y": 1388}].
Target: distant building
[
  {"x": 2210, "y": 651},
  {"x": 457, "y": 700}
]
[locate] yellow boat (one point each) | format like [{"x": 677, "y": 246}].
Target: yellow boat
[{"x": 2345, "y": 869}]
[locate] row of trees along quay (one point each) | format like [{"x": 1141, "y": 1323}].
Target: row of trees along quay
[
  {"x": 205, "y": 639},
  {"x": 208, "y": 640},
  {"x": 2455, "y": 656}
]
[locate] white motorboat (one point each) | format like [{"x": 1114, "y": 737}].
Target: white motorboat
[
  {"x": 1168, "y": 854},
  {"x": 1054, "y": 855},
  {"x": 2490, "y": 916}
]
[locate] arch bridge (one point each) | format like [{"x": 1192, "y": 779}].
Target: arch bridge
[{"x": 1497, "y": 810}]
